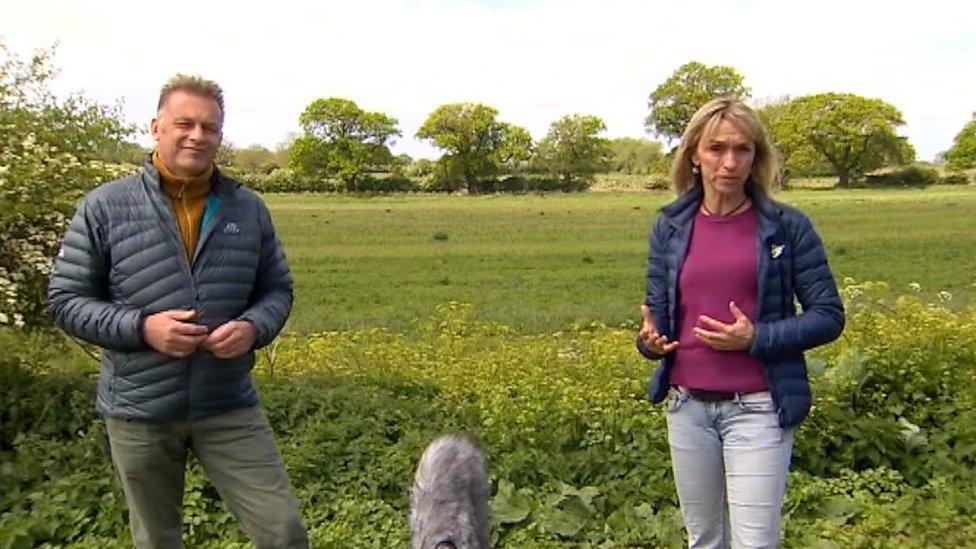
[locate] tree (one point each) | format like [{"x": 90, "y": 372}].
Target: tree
[
  {"x": 50, "y": 155},
  {"x": 573, "y": 148},
  {"x": 771, "y": 112},
  {"x": 255, "y": 159},
  {"x": 962, "y": 155},
  {"x": 342, "y": 140},
  {"x": 474, "y": 142},
  {"x": 693, "y": 84},
  {"x": 225, "y": 154},
  {"x": 515, "y": 149},
  {"x": 853, "y": 134},
  {"x": 635, "y": 156}
]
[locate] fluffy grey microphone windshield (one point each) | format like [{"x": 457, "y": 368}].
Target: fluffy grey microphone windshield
[{"x": 449, "y": 500}]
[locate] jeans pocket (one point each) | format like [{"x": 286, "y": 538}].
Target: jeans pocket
[{"x": 757, "y": 403}]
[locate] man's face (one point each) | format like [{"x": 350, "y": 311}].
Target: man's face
[{"x": 187, "y": 130}]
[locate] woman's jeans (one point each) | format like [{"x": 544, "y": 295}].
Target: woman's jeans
[{"x": 730, "y": 461}]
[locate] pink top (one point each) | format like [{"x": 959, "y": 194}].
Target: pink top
[{"x": 720, "y": 267}]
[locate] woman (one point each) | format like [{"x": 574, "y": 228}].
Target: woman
[{"x": 725, "y": 265}]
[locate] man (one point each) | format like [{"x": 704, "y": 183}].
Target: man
[{"x": 177, "y": 274}]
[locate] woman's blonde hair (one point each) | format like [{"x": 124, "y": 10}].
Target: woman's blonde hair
[{"x": 765, "y": 166}]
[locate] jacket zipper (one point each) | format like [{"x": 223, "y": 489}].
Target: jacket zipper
[{"x": 183, "y": 240}]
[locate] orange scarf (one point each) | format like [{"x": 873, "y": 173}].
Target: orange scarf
[{"x": 188, "y": 195}]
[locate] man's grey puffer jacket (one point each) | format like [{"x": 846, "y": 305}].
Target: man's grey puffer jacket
[{"x": 121, "y": 260}]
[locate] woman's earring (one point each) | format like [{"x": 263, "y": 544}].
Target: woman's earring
[{"x": 695, "y": 169}]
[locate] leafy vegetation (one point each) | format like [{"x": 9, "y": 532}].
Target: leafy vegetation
[
  {"x": 912, "y": 176},
  {"x": 962, "y": 155},
  {"x": 576, "y": 453},
  {"x": 341, "y": 141},
  {"x": 853, "y": 134},
  {"x": 574, "y": 149},
  {"x": 475, "y": 143},
  {"x": 693, "y": 84},
  {"x": 50, "y": 155}
]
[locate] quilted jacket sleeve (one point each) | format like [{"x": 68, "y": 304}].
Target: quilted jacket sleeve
[
  {"x": 272, "y": 296},
  {"x": 822, "y": 319},
  {"x": 656, "y": 293},
  {"x": 78, "y": 296}
]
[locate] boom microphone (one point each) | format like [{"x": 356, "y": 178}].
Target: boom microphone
[{"x": 449, "y": 499}]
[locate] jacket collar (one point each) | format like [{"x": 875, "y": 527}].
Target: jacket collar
[
  {"x": 219, "y": 183},
  {"x": 683, "y": 209}
]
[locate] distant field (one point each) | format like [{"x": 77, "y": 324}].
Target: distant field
[{"x": 542, "y": 262}]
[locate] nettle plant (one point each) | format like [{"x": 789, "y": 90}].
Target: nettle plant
[{"x": 50, "y": 155}]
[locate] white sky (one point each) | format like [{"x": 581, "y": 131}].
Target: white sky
[{"x": 533, "y": 61}]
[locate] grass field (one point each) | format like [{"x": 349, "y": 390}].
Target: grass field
[{"x": 541, "y": 262}]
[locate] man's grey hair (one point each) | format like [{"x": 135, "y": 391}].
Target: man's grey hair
[
  {"x": 190, "y": 83},
  {"x": 449, "y": 500}
]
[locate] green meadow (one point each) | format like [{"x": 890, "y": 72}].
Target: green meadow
[{"x": 544, "y": 262}]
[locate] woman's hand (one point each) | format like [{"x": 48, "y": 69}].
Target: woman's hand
[
  {"x": 654, "y": 341},
  {"x": 727, "y": 337}
]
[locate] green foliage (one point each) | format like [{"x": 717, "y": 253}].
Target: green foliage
[
  {"x": 342, "y": 141},
  {"x": 955, "y": 179},
  {"x": 476, "y": 145},
  {"x": 771, "y": 112},
  {"x": 890, "y": 394},
  {"x": 421, "y": 168},
  {"x": 637, "y": 156},
  {"x": 287, "y": 181},
  {"x": 50, "y": 155},
  {"x": 853, "y": 134},
  {"x": 693, "y": 84},
  {"x": 515, "y": 149},
  {"x": 255, "y": 159},
  {"x": 573, "y": 148},
  {"x": 123, "y": 152},
  {"x": 962, "y": 154},
  {"x": 912, "y": 176},
  {"x": 576, "y": 454}
]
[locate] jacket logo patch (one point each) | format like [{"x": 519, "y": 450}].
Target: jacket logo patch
[
  {"x": 775, "y": 251},
  {"x": 232, "y": 228}
]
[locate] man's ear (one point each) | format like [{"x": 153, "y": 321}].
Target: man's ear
[{"x": 154, "y": 128}]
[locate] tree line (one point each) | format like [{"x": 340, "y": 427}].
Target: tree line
[{"x": 843, "y": 135}]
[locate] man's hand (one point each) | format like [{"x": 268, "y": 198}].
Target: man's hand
[
  {"x": 727, "y": 337},
  {"x": 654, "y": 341},
  {"x": 231, "y": 339},
  {"x": 172, "y": 332}
]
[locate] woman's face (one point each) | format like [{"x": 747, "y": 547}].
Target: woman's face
[{"x": 725, "y": 158}]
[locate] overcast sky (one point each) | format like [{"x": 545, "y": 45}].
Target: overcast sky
[{"x": 533, "y": 61}]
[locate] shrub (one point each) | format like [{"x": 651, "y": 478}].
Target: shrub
[
  {"x": 391, "y": 183},
  {"x": 912, "y": 176},
  {"x": 50, "y": 153},
  {"x": 955, "y": 179},
  {"x": 576, "y": 454}
]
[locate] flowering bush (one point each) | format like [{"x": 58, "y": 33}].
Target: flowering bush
[{"x": 49, "y": 156}]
